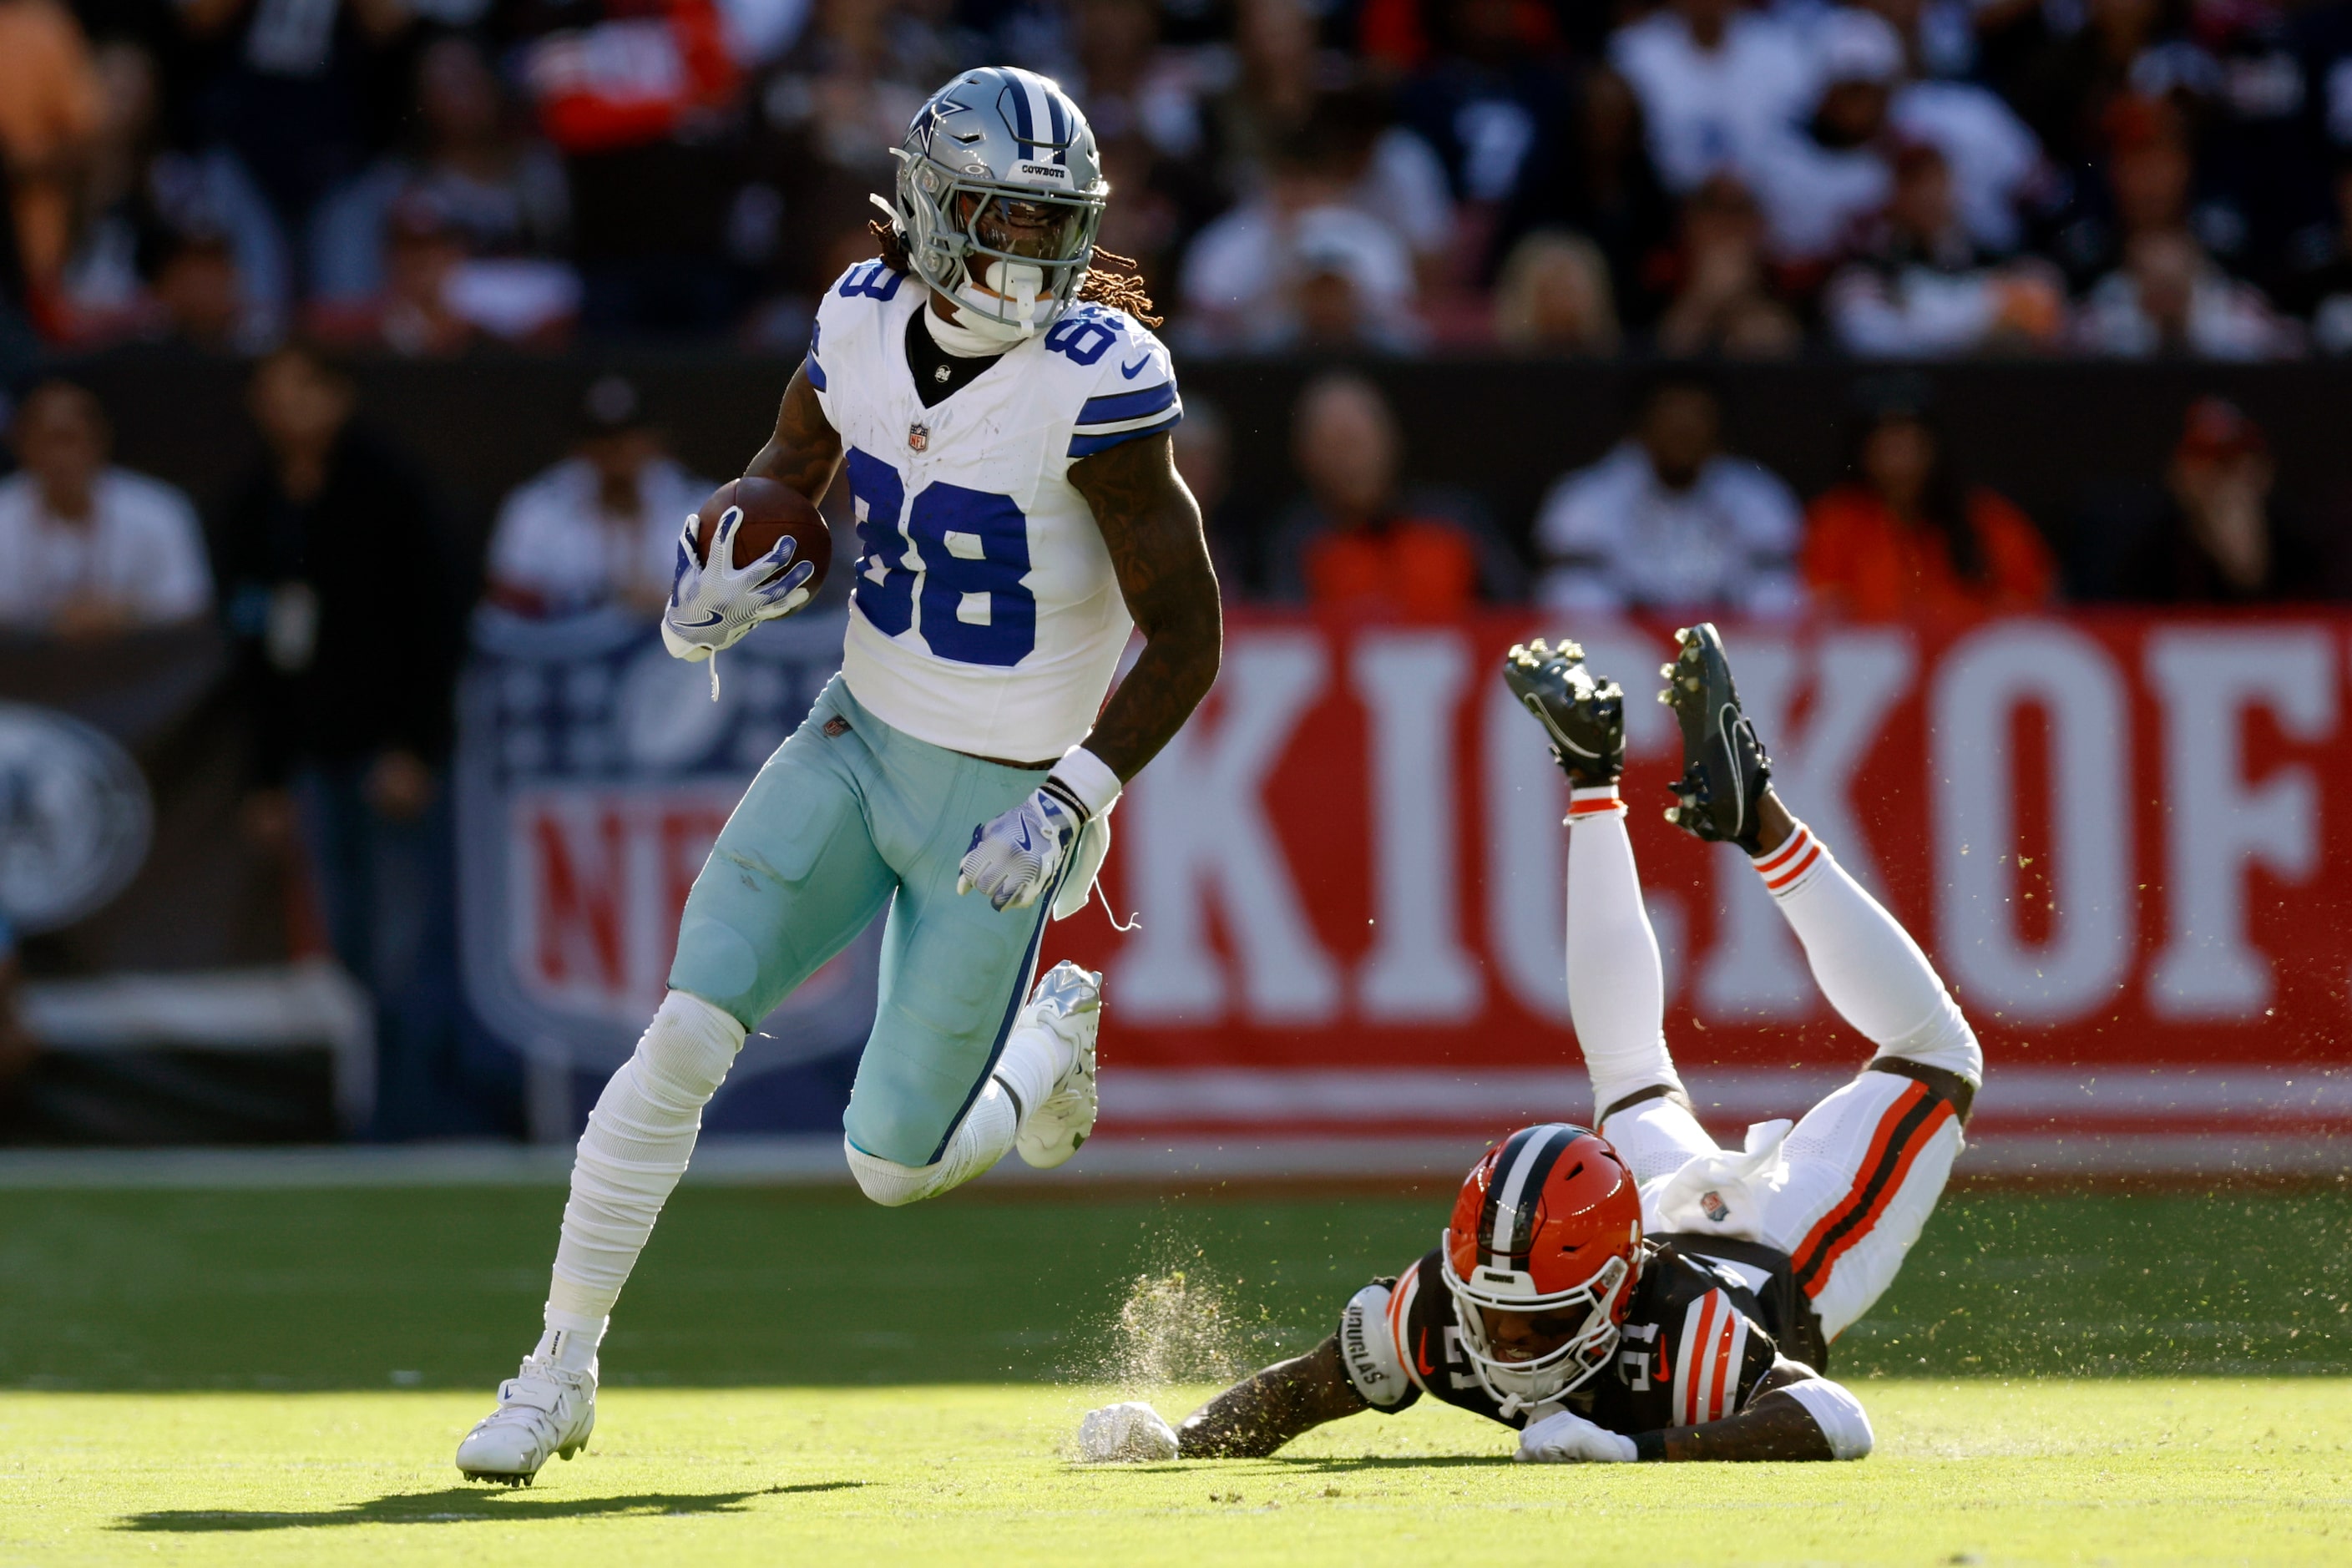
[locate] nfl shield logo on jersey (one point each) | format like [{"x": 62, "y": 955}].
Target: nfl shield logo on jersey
[{"x": 918, "y": 437}]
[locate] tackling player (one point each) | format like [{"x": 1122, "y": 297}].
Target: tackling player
[
  {"x": 1640, "y": 1293},
  {"x": 1004, "y": 417}
]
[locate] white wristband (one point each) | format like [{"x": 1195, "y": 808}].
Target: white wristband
[{"x": 1089, "y": 778}]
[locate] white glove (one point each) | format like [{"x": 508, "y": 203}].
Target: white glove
[
  {"x": 1568, "y": 1438},
  {"x": 1132, "y": 1434},
  {"x": 1012, "y": 859},
  {"x": 712, "y": 604}
]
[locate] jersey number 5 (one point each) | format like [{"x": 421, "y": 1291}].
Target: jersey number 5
[{"x": 974, "y": 551}]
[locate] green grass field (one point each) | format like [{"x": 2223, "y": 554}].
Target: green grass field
[{"x": 279, "y": 1377}]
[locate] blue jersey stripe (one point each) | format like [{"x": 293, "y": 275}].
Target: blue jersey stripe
[
  {"x": 1088, "y": 446},
  {"x": 1120, "y": 405},
  {"x": 815, "y": 372}
]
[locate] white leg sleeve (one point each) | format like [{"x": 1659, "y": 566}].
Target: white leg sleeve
[
  {"x": 1616, "y": 986},
  {"x": 638, "y": 1141},
  {"x": 1867, "y": 964},
  {"x": 984, "y": 1138}
]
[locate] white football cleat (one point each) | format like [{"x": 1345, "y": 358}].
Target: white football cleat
[
  {"x": 543, "y": 1410},
  {"x": 1068, "y": 1001}
]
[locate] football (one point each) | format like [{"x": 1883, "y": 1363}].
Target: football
[{"x": 770, "y": 510}]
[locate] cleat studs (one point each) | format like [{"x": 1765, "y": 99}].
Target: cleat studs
[
  {"x": 1667, "y": 698},
  {"x": 1675, "y": 815}
]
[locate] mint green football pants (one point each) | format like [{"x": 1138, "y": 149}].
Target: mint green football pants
[{"x": 848, "y": 815}]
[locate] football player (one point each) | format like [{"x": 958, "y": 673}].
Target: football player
[
  {"x": 1638, "y": 1292},
  {"x": 1003, "y": 416}
]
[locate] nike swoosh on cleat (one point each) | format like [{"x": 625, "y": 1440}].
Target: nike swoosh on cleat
[
  {"x": 1738, "y": 783},
  {"x": 1132, "y": 371},
  {"x": 710, "y": 620}
]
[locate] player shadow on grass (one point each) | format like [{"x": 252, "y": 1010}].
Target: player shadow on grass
[
  {"x": 459, "y": 1505},
  {"x": 1309, "y": 1464}
]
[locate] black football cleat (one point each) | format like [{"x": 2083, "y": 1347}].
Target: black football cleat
[
  {"x": 1724, "y": 766},
  {"x": 1584, "y": 717}
]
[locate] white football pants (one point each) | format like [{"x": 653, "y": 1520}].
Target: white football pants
[{"x": 1845, "y": 1192}]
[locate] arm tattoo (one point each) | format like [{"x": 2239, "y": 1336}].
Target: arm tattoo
[
  {"x": 1261, "y": 1413},
  {"x": 1152, "y": 527},
  {"x": 804, "y": 453}
]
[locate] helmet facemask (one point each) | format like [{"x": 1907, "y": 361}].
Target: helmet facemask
[
  {"x": 1522, "y": 1385},
  {"x": 1013, "y": 256}
]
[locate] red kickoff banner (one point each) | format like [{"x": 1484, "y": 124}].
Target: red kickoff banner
[{"x": 2121, "y": 838}]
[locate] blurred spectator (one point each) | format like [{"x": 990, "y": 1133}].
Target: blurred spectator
[
  {"x": 2262, "y": 173},
  {"x": 1907, "y": 536},
  {"x": 348, "y": 630},
  {"x": 1818, "y": 180},
  {"x": 640, "y": 105},
  {"x": 200, "y": 295},
  {"x": 1144, "y": 104},
  {"x": 2170, "y": 298},
  {"x": 827, "y": 116},
  {"x": 104, "y": 284},
  {"x": 1355, "y": 540},
  {"x": 438, "y": 299},
  {"x": 50, "y": 107},
  {"x": 1291, "y": 101},
  {"x": 1281, "y": 72},
  {"x": 89, "y": 550},
  {"x": 1717, "y": 82},
  {"x": 601, "y": 527},
  {"x": 501, "y": 194},
  {"x": 2149, "y": 174},
  {"x": 1131, "y": 87},
  {"x": 1722, "y": 301},
  {"x": 1668, "y": 520},
  {"x": 1593, "y": 176},
  {"x": 338, "y": 591},
  {"x": 1554, "y": 296},
  {"x": 1919, "y": 286},
  {"x": 2215, "y": 532},
  {"x": 1301, "y": 263},
  {"x": 2320, "y": 289},
  {"x": 294, "y": 106},
  {"x": 1204, "y": 457},
  {"x": 166, "y": 243},
  {"x": 1997, "y": 170},
  {"x": 1489, "y": 91},
  {"x": 2065, "y": 85}
]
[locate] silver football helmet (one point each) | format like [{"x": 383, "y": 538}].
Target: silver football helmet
[{"x": 999, "y": 192}]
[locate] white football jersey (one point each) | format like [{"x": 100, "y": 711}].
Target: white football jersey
[{"x": 986, "y": 617}]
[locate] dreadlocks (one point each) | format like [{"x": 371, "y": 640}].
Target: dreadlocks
[{"x": 1118, "y": 285}]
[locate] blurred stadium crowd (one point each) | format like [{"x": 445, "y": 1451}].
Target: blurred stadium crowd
[
  {"x": 1894, "y": 177},
  {"x": 1339, "y": 182}
]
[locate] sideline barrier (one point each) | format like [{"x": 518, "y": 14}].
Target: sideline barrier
[
  {"x": 2117, "y": 836},
  {"x": 2120, "y": 837}
]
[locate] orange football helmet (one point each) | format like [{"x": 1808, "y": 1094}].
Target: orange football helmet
[{"x": 1549, "y": 1223}]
